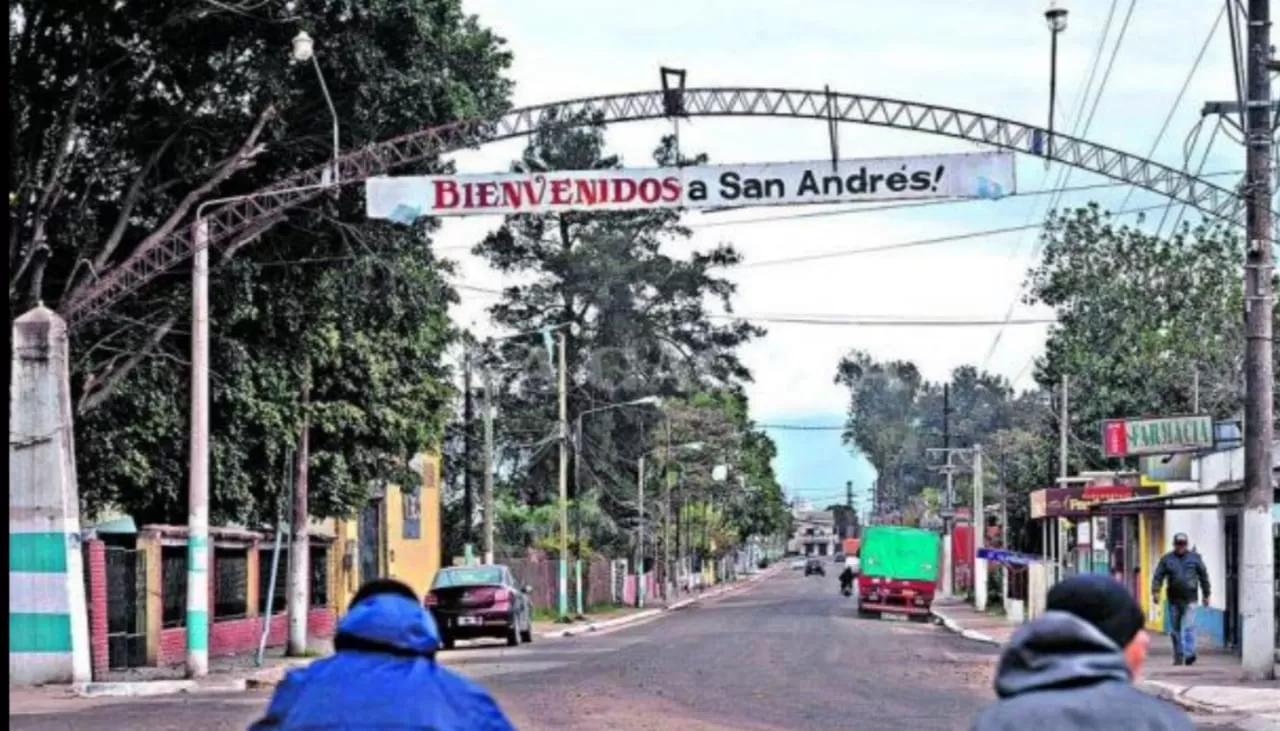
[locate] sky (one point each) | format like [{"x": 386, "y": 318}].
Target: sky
[{"x": 989, "y": 56}]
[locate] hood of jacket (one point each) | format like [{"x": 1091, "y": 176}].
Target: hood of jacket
[
  {"x": 392, "y": 621},
  {"x": 1058, "y": 650}
]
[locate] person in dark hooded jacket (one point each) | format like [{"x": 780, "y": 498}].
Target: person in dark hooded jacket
[
  {"x": 383, "y": 674},
  {"x": 1074, "y": 667}
]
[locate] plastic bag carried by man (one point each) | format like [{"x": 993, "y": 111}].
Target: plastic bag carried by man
[{"x": 383, "y": 674}]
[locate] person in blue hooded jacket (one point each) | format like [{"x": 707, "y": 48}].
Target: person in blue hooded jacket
[{"x": 383, "y": 674}]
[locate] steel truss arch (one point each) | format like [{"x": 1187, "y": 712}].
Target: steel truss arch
[{"x": 269, "y": 205}]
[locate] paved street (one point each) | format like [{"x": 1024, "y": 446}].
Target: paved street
[{"x": 786, "y": 654}]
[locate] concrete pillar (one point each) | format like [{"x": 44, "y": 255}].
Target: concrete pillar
[{"x": 48, "y": 621}]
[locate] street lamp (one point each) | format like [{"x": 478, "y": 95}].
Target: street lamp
[
  {"x": 577, "y": 485},
  {"x": 1056, "y": 18},
  {"x": 198, "y": 552},
  {"x": 304, "y": 50}
]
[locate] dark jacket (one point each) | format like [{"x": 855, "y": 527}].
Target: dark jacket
[
  {"x": 383, "y": 675},
  {"x": 1059, "y": 673},
  {"x": 1184, "y": 573}
]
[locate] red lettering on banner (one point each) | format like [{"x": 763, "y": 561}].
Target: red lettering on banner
[
  {"x": 624, "y": 190},
  {"x": 487, "y": 195},
  {"x": 586, "y": 191},
  {"x": 540, "y": 191},
  {"x": 446, "y": 194},
  {"x": 560, "y": 192},
  {"x": 671, "y": 191}
]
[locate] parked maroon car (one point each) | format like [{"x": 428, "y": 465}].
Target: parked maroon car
[{"x": 469, "y": 602}]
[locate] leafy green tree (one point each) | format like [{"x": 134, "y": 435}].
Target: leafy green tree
[
  {"x": 1142, "y": 321},
  {"x": 126, "y": 117},
  {"x": 635, "y": 321}
]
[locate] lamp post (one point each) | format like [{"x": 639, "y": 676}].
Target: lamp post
[
  {"x": 577, "y": 486},
  {"x": 304, "y": 51},
  {"x": 198, "y": 554},
  {"x": 1056, "y": 18}
]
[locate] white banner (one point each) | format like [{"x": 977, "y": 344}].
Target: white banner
[{"x": 975, "y": 175}]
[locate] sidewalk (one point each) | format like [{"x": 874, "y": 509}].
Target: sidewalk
[
  {"x": 238, "y": 673},
  {"x": 1212, "y": 686}
]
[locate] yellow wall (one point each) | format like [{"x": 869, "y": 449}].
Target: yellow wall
[
  {"x": 1150, "y": 543},
  {"x": 415, "y": 561}
]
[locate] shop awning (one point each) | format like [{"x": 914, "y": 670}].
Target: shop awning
[{"x": 1173, "y": 500}]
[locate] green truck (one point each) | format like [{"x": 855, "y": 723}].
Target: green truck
[{"x": 899, "y": 571}]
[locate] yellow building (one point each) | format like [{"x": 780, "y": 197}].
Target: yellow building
[{"x": 397, "y": 535}]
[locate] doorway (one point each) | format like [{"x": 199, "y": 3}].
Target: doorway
[
  {"x": 1231, "y": 551},
  {"x": 370, "y": 530}
]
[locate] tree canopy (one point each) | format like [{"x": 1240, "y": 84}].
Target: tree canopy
[{"x": 124, "y": 117}]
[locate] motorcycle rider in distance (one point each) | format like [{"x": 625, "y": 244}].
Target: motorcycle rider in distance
[{"x": 846, "y": 579}]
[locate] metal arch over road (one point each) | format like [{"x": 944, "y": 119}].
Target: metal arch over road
[{"x": 262, "y": 210}]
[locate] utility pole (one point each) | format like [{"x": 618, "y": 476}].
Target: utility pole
[
  {"x": 948, "y": 512},
  {"x": 488, "y": 468},
  {"x": 577, "y": 517},
  {"x": 667, "y": 478},
  {"x": 300, "y": 545},
  {"x": 468, "y": 504},
  {"x": 563, "y": 598},
  {"x": 640, "y": 534},
  {"x": 198, "y": 479},
  {"x": 1062, "y": 428},
  {"x": 979, "y": 533},
  {"x": 1258, "y": 599}
]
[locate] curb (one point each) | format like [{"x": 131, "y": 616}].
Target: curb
[
  {"x": 158, "y": 687},
  {"x": 652, "y": 613},
  {"x": 968, "y": 634},
  {"x": 1174, "y": 694}
]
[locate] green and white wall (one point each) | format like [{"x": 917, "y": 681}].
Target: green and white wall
[{"x": 48, "y": 626}]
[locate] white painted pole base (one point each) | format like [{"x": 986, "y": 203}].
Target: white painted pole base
[{"x": 1257, "y": 596}]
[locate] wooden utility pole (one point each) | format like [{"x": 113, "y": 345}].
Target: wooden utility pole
[{"x": 1257, "y": 590}]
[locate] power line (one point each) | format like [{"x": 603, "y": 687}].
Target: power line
[
  {"x": 854, "y": 321},
  {"x": 1081, "y": 100},
  {"x": 912, "y": 244},
  {"x": 1168, "y": 118}
]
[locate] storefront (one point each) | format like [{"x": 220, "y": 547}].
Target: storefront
[{"x": 1080, "y": 540}]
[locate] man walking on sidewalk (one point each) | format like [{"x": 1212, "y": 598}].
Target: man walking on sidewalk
[{"x": 1184, "y": 571}]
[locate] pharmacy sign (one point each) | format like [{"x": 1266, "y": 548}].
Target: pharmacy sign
[{"x": 1165, "y": 435}]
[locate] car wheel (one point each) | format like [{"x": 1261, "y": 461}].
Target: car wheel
[
  {"x": 446, "y": 641},
  {"x": 513, "y": 633},
  {"x": 526, "y": 635}
]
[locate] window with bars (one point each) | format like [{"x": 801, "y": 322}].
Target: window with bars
[
  {"x": 173, "y": 585},
  {"x": 231, "y": 583},
  {"x": 279, "y": 600}
]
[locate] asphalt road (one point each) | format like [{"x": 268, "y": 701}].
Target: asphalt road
[{"x": 784, "y": 654}]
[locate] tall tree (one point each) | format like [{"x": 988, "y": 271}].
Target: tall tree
[
  {"x": 124, "y": 119},
  {"x": 635, "y": 317}
]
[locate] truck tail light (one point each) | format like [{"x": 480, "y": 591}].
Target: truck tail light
[
  {"x": 430, "y": 600},
  {"x": 502, "y": 596}
]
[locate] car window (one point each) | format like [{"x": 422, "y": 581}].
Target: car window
[{"x": 468, "y": 577}]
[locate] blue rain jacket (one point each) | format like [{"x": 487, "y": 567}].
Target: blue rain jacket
[{"x": 391, "y": 682}]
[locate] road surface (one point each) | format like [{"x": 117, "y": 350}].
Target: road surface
[{"x": 784, "y": 654}]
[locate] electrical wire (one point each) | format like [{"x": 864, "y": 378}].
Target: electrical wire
[
  {"x": 853, "y": 321},
  {"x": 1182, "y": 92},
  {"x": 1082, "y": 100},
  {"x": 911, "y": 244},
  {"x": 1182, "y": 211}
]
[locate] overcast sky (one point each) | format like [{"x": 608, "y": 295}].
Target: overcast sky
[{"x": 990, "y": 56}]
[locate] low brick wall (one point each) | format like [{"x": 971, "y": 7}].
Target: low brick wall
[{"x": 240, "y": 636}]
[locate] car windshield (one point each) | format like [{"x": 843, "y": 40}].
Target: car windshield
[{"x": 467, "y": 577}]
